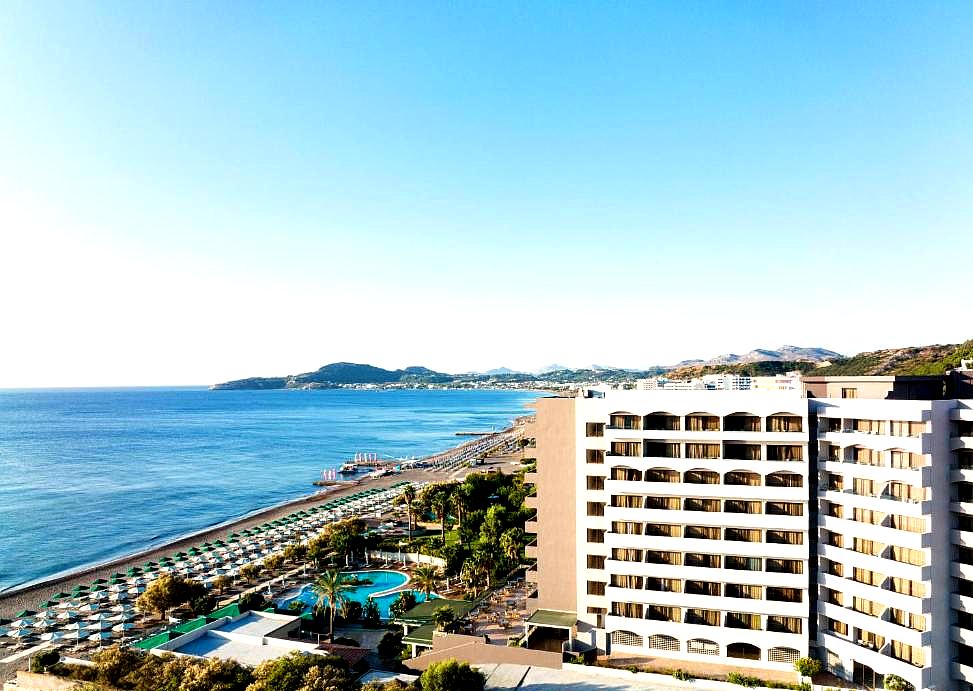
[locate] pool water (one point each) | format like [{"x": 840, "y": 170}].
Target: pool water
[{"x": 380, "y": 580}]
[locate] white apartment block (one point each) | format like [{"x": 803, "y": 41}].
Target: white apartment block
[{"x": 751, "y": 529}]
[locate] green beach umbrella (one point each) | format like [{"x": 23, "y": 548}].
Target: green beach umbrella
[
  {"x": 62, "y": 596},
  {"x": 118, "y": 575},
  {"x": 48, "y": 604},
  {"x": 79, "y": 589},
  {"x": 150, "y": 569},
  {"x": 235, "y": 534},
  {"x": 99, "y": 580},
  {"x": 134, "y": 571},
  {"x": 25, "y": 613},
  {"x": 151, "y": 563},
  {"x": 97, "y": 588}
]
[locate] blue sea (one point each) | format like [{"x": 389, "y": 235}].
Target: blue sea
[{"x": 93, "y": 474}]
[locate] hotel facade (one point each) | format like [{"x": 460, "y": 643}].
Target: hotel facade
[{"x": 753, "y": 528}]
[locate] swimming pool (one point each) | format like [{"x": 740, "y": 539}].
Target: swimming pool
[{"x": 380, "y": 581}]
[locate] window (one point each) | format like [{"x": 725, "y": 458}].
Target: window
[
  {"x": 834, "y": 482},
  {"x": 706, "y": 561},
  {"x": 744, "y": 651},
  {"x": 596, "y": 561},
  {"x": 906, "y": 460},
  {"x": 741, "y": 477},
  {"x": 741, "y": 422},
  {"x": 596, "y": 508},
  {"x": 835, "y": 568},
  {"x": 784, "y": 423},
  {"x": 701, "y": 477},
  {"x": 702, "y": 450},
  {"x": 780, "y": 452},
  {"x": 595, "y": 482},
  {"x": 661, "y": 421},
  {"x": 868, "y": 577},
  {"x": 742, "y": 620},
  {"x": 662, "y": 613},
  {"x": 744, "y": 563},
  {"x": 904, "y": 586},
  {"x": 741, "y": 452},
  {"x": 870, "y": 547},
  {"x": 743, "y": 534},
  {"x": 908, "y": 653},
  {"x": 783, "y": 624},
  {"x": 916, "y": 557},
  {"x": 623, "y": 581},
  {"x": 866, "y": 606},
  {"x": 785, "y": 537},
  {"x": 596, "y": 588},
  {"x": 702, "y": 532},
  {"x": 660, "y": 449},
  {"x": 834, "y": 539},
  {"x": 667, "y": 585},
  {"x": 595, "y": 429},
  {"x": 626, "y": 527},
  {"x": 836, "y": 510},
  {"x": 699, "y": 646},
  {"x": 869, "y": 639},
  {"x": 626, "y": 448},
  {"x": 654, "y": 556},
  {"x": 741, "y": 506},
  {"x": 701, "y": 422},
  {"x": 900, "y": 428},
  {"x": 632, "y": 610},
  {"x": 905, "y": 492},
  {"x": 626, "y": 638},
  {"x": 696, "y": 504},
  {"x": 869, "y": 426},
  {"x": 594, "y": 456},
  {"x": 663, "y": 642},
  {"x": 702, "y": 617},
  {"x": 867, "y": 516},
  {"x": 749, "y": 592},
  {"x": 627, "y": 501},
  {"x": 661, "y": 475},
  {"x": 663, "y": 530},
  {"x": 627, "y": 474},
  {"x": 785, "y": 565},
  {"x": 849, "y": 393},
  {"x": 782, "y": 479},
  {"x": 834, "y": 597},
  {"x": 785, "y": 508},
  {"x": 784, "y": 594},
  {"x": 596, "y": 536},
  {"x": 863, "y": 456},
  {"x": 663, "y": 503},
  {"x": 703, "y": 588},
  {"x": 909, "y": 620},
  {"x": 599, "y": 613},
  {"x": 625, "y": 421},
  {"x": 838, "y": 627},
  {"x": 626, "y": 554},
  {"x": 866, "y": 488}
]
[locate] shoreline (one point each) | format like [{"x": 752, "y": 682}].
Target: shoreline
[{"x": 30, "y": 595}]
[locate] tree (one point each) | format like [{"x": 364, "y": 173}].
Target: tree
[
  {"x": 444, "y": 617},
  {"x": 394, "y": 685},
  {"x": 221, "y": 583},
  {"x": 424, "y": 579},
  {"x": 405, "y": 602},
  {"x": 290, "y": 672},
  {"x": 326, "y": 678},
  {"x": 345, "y": 537},
  {"x": 450, "y": 675},
  {"x": 296, "y": 606},
  {"x": 273, "y": 562},
  {"x": 391, "y": 646},
  {"x": 510, "y": 544},
  {"x": 371, "y": 616},
  {"x": 250, "y": 572},
  {"x": 350, "y": 610},
  {"x": 115, "y": 663},
  {"x": 251, "y": 602},
  {"x": 44, "y": 659},
  {"x": 166, "y": 592},
  {"x": 807, "y": 666},
  {"x": 202, "y": 605},
  {"x": 295, "y": 552},
  {"x": 475, "y": 573},
  {"x": 214, "y": 674},
  {"x": 330, "y": 587},
  {"x": 409, "y": 498},
  {"x": 893, "y": 682}
]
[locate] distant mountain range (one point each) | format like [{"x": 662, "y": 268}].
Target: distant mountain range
[{"x": 785, "y": 353}]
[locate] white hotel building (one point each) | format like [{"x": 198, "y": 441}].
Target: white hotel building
[{"x": 753, "y": 528}]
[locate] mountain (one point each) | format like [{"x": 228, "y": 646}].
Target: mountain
[
  {"x": 784, "y": 353},
  {"x": 914, "y": 360},
  {"x": 501, "y": 370},
  {"x": 338, "y": 373},
  {"x": 552, "y": 368}
]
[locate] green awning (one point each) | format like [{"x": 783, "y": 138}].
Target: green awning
[
  {"x": 421, "y": 636},
  {"x": 553, "y": 618},
  {"x": 422, "y": 613}
]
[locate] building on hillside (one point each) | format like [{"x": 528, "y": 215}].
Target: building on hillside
[
  {"x": 791, "y": 381},
  {"x": 751, "y": 528}
]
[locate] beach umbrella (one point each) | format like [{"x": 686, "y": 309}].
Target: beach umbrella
[
  {"x": 100, "y": 625},
  {"x": 100, "y": 636},
  {"x": 4, "y": 632},
  {"x": 118, "y": 597},
  {"x": 99, "y": 581},
  {"x": 118, "y": 575},
  {"x": 21, "y": 633},
  {"x": 24, "y": 613},
  {"x": 67, "y": 616},
  {"x": 48, "y": 604},
  {"x": 62, "y": 596},
  {"x": 77, "y": 634},
  {"x": 134, "y": 571},
  {"x": 124, "y": 626},
  {"x": 76, "y": 626},
  {"x": 100, "y": 616},
  {"x": 52, "y": 636},
  {"x": 90, "y": 607},
  {"x": 20, "y": 623}
]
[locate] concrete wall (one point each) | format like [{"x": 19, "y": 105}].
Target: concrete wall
[
  {"x": 408, "y": 557},
  {"x": 476, "y": 651},
  {"x": 556, "y": 501}
]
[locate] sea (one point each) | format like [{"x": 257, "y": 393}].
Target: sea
[{"x": 88, "y": 475}]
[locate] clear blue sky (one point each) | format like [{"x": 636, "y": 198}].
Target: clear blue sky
[{"x": 197, "y": 191}]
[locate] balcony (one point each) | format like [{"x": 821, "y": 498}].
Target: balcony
[{"x": 530, "y": 526}]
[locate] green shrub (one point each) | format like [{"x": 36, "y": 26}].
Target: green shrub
[
  {"x": 744, "y": 680},
  {"x": 682, "y": 675},
  {"x": 893, "y": 682},
  {"x": 632, "y": 668},
  {"x": 807, "y": 666}
]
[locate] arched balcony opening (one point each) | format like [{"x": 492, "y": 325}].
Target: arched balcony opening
[
  {"x": 702, "y": 422},
  {"x": 784, "y": 479},
  {"x": 742, "y": 477},
  {"x": 661, "y": 475},
  {"x": 741, "y": 422},
  {"x": 661, "y": 421},
  {"x": 624, "y": 420},
  {"x": 701, "y": 477},
  {"x": 785, "y": 422},
  {"x": 743, "y": 651},
  {"x": 739, "y": 451},
  {"x": 627, "y": 474}
]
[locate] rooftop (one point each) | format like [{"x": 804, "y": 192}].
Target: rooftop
[
  {"x": 551, "y": 617},
  {"x": 422, "y": 613}
]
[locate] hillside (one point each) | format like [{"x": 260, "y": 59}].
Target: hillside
[
  {"x": 338, "y": 373},
  {"x": 784, "y": 353},
  {"x": 765, "y": 368},
  {"x": 915, "y": 360}
]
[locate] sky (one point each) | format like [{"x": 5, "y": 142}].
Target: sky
[{"x": 195, "y": 192}]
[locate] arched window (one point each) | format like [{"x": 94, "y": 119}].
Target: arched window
[
  {"x": 784, "y": 479},
  {"x": 701, "y": 646},
  {"x": 701, "y": 477},
  {"x": 741, "y": 422},
  {"x": 743, "y": 651},
  {"x": 702, "y": 422},
  {"x": 624, "y": 420},
  {"x": 786, "y": 655},
  {"x": 622, "y": 473},
  {"x": 628, "y": 638},
  {"x": 660, "y": 421},
  {"x": 785, "y": 422},
  {"x": 661, "y": 475},
  {"x": 741, "y": 477},
  {"x": 661, "y": 642}
]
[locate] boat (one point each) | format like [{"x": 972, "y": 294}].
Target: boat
[{"x": 348, "y": 469}]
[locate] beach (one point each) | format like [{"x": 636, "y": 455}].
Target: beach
[{"x": 30, "y": 596}]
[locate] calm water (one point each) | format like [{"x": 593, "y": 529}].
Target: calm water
[
  {"x": 87, "y": 475},
  {"x": 381, "y": 580}
]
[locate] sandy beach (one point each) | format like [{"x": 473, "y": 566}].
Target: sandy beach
[{"x": 29, "y": 597}]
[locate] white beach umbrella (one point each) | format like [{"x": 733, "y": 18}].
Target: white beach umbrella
[
  {"x": 67, "y": 615},
  {"x": 76, "y": 635},
  {"x": 21, "y": 623},
  {"x": 118, "y": 597},
  {"x": 90, "y": 607},
  {"x": 21, "y": 633},
  {"x": 98, "y": 595},
  {"x": 124, "y": 626},
  {"x": 100, "y": 625},
  {"x": 4, "y": 632},
  {"x": 122, "y": 608},
  {"x": 101, "y": 616},
  {"x": 101, "y": 636},
  {"x": 52, "y": 636},
  {"x": 76, "y": 626}
]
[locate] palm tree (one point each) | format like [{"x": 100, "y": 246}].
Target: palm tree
[
  {"x": 510, "y": 543},
  {"x": 409, "y": 498},
  {"x": 461, "y": 502},
  {"x": 439, "y": 503},
  {"x": 330, "y": 587},
  {"x": 424, "y": 579}
]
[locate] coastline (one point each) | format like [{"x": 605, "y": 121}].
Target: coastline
[{"x": 29, "y": 595}]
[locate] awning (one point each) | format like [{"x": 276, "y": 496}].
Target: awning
[
  {"x": 421, "y": 636},
  {"x": 553, "y": 618}
]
